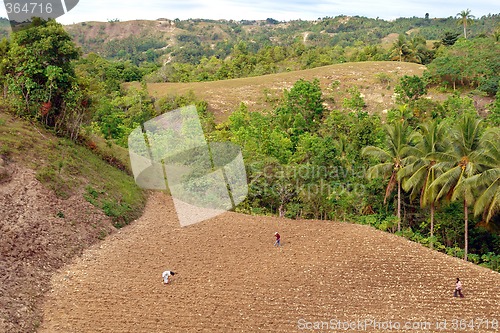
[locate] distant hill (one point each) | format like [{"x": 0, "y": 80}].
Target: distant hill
[
  {"x": 100, "y": 37},
  {"x": 216, "y": 37},
  {"x": 375, "y": 81},
  {"x": 188, "y": 41}
]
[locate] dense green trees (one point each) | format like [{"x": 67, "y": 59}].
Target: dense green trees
[
  {"x": 473, "y": 63},
  {"x": 302, "y": 109},
  {"x": 40, "y": 77}
]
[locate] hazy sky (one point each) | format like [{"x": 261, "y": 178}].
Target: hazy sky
[{"x": 103, "y": 10}]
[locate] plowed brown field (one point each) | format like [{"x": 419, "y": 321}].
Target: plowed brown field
[{"x": 230, "y": 278}]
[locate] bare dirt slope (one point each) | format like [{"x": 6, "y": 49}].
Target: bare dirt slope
[
  {"x": 39, "y": 233},
  {"x": 230, "y": 278}
]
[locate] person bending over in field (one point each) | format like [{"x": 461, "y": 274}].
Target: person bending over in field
[
  {"x": 166, "y": 276},
  {"x": 278, "y": 239},
  {"x": 458, "y": 289}
]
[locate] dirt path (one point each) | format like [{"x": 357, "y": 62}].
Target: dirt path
[{"x": 231, "y": 279}]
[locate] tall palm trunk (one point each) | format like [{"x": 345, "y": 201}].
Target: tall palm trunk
[
  {"x": 432, "y": 224},
  {"x": 466, "y": 216},
  {"x": 465, "y": 29},
  {"x": 399, "y": 205}
]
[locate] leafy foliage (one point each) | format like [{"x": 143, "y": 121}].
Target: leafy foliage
[
  {"x": 469, "y": 63},
  {"x": 40, "y": 74},
  {"x": 410, "y": 89}
]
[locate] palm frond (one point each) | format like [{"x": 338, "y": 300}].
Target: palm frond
[
  {"x": 381, "y": 170},
  {"x": 377, "y": 153}
]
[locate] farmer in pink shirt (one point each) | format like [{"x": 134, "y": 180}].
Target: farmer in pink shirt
[{"x": 458, "y": 289}]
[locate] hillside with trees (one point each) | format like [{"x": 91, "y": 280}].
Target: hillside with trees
[
  {"x": 201, "y": 50},
  {"x": 390, "y": 124}
]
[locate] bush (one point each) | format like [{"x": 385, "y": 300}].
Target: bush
[
  {"x": 383, "y": 78},
  {"x": 474, "y": 258},
  {"x": 491, "y": 260},
  {"x": 455, "y": 252},
  {"x": 372, "y": 220},
  {"x": 356, "y": 102},
  {"x": 410, "y": 89},
  {"x": 388, "y": 224},
  {"x": 117, "y": 211}
]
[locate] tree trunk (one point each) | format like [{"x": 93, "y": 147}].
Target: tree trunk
[
  {"x": 466, "y": 216},
  {"x": 399, "y": 205},
  {"x": 432, "y": 224},
  {"x": 465, "y": 30}
]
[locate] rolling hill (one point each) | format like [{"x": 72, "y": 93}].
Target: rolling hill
[
  {"x": 133, "y": 37},
  {"x": 260, "y": 93}
]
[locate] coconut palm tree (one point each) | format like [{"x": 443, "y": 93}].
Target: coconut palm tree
[
  {"x": 465, "y": 18},
  {"x": 488, "y": 182},
  {"x": 416, "y": 49},
  {"x": 420, "y": 173},
  {"x": 460, "y": 163},
  {"x": 393, "y": 159},
  {"x": 400, "y": 48}
]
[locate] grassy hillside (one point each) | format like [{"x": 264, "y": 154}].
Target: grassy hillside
[
  {"x": 375, "y": 80},
  {"x": 56, "y": 199},
  {"x": 68, "y": 168}
]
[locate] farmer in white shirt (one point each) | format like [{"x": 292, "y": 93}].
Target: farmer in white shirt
[{"x": 166, "y": 276}]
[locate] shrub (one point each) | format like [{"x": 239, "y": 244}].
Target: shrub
[
  {"x": 117, "y": 211},
  {"x": 383, "y": 78},
  {"x": 491, "y": 260},
  {"x": 474, "y": 258},
  {"x": 389, "y": 224},
  {"x": 356, "y": 102},
  {"x": 455, "y": 252},
  {"x": 410, "y": 89}
]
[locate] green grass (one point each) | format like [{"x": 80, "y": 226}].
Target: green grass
[{"x": 69, "y": 169}]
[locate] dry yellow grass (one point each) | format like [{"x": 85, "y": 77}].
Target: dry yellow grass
[{"x": 260, "y": 93}]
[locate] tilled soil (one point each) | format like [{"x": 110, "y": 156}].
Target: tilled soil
[
  {"x": 39, "y": 233},
  {"x": 230, "y": 278}
]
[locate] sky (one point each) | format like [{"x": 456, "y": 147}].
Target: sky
[{"x": 282, "y": 10}]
